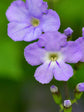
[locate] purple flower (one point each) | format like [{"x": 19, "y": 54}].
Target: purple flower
[
  {"x": 80, "y": 87},
  {"x": 52, "y": 56},
  {"x": 68, "y": 31},
  {"x": 67, "y": 103},
  {"x": 80, "y": 41},
  {"x": 28, "y": 20}
]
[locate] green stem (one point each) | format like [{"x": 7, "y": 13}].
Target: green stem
[
  {"x": 61, "y": 107},
  {"x": 66, "y": 90},
  {"x": 74, "y": 101}
]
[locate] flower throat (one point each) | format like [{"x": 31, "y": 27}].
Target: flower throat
[
  {"x": 35, "y": 22},
  {"x": 53, "y": 57}
]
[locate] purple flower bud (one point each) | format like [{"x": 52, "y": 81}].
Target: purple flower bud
[
  {"x": 80, "y": 87},
  {"x": 54, "y": 89},
  {"x": 68, "y": 31},
  {"x": 67, "y": 103},
  {"x": 83, "y": 31}
]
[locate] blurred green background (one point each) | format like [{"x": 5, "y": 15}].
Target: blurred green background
[{"x": 19, "y": 91}]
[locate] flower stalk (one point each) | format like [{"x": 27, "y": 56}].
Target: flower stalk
[
  {"x": 56, "y": 94},
  {"x": 66, "y": 90}
]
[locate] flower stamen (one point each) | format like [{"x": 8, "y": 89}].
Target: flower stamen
[
  {"x": 53, "y": 57},
  {"x": 35, "y": 22}
]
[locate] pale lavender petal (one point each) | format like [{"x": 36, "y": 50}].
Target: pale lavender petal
[
  {"x": 44, "y": 74},
  {"x": 63, "y": 72},
  {"x": 32, "y": 34},
  {"x": 34, "y": 55},
  {"x": 21, "y": 31},
  {"x": 36, "y": 7},
  {"x": 44, "y": 7},
  {"x": 72, "y": 52},
  {"x": 17, "y": 31},
  {"x": 52, "y": 41},
  {"x": 50, "y": 21},
  {"x": 31, "y": 3},
  {"x": 18, "y": 12},
  {"x": 80, "y": 41}
]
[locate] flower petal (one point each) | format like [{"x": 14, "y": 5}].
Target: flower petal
[
  {"x": 52, "y": 41},
  {"x": 44, "y": 7},
  {"x": 72, "y": 52},
  {"x": 80, "y": 41},
  {"x": 51, "y": 21},
  {"x": 30, "y": 3},
  {"x": 63, "y": 72},
  {"x": 17, "y": 31},
  {"x": 36, "y": 7},
  {"x": 44, "y": 74},
  {"x": 33, "y": 54},
  {"x": 32, "y": 34},
  {"x": 21, "y": 31},
  {"x": 17, "y": 12}
]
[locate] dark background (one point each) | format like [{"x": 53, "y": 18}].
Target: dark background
[{"x": 19, "y": 91}]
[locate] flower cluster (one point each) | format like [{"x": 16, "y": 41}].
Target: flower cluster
[
  {"x": 33, "y": 20},
  {"x": 53, "y": 51}
]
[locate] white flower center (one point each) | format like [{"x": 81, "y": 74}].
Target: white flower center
[
  {"x": 35, "y": 22},
  {"x": 53, "y": 57}
]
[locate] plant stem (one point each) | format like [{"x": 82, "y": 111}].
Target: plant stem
[
  {"x": 66, "y": 90},
  {"x": 74, "y": 101},
  {"x": 61, "y": 108}
]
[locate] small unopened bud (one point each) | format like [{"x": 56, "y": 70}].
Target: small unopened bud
[
  {"x": 80, "y": 87},
  {"x": 54, "y": 89},
  {"x": 56, "y": 94},
  {"x": 79, "y": 90},
  {"x": 67, "y": 103},
  {"x": 67, "y": 106},
  {"x": 83, "y": 31},
  {"x": 68, "y": 31}
]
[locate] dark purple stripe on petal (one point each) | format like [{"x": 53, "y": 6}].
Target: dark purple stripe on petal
[
  {"x": 49, "y": 64},
  {"x": 57, "y": 63}
]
